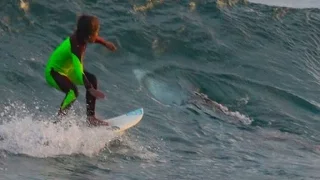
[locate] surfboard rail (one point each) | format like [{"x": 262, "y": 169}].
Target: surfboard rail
[{"x": 126, "y": 121}]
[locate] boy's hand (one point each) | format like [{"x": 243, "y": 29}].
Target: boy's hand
[
  {"x": 111, "y": 46},
  {"x": 96, "y": 93}
]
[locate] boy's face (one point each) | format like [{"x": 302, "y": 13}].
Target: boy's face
[{"x": 93, "y": 37}]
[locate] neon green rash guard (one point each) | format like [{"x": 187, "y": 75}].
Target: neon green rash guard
[{"x": 63, "y": 61}]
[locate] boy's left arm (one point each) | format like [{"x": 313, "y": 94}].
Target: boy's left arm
[{"x": 105, "y": 43}]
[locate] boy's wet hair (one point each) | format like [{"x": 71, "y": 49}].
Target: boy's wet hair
[{"x": 87, "y": 25}]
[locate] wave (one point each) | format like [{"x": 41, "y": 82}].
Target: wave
[
  {"x": 183, "y": 91},
  {"x": 276, "y": 91},
  {"x": 289, "y": 3}
]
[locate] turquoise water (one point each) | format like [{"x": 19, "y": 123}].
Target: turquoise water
[{"x": 228, "y": 91}]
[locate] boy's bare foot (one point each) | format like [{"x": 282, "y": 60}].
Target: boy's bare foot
[{"x": 92, "y": 120}]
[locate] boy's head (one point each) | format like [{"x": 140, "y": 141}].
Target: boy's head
[{"x": 88, "y": 27}]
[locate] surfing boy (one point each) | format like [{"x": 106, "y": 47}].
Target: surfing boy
[{"x": 64, "y": 70}]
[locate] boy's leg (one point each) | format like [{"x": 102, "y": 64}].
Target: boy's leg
[
  {"x": 91, "y": 102},
  {"x": 66, "y": 86}
]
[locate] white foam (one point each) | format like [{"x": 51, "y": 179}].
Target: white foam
[
  {"x": 139, "y": 74},
  {"x": 23, "y": 134},
  {"x": 208, "y": 104},
  {"x": 132, "y": 147},
  {"x": 235, "y": 114},
  {"x": 290, "y": 3}
]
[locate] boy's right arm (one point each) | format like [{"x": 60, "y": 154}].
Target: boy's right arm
[{"x": 106, "y": 43}]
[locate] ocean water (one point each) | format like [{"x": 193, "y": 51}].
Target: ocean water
[
  {"x": 230, "y": 90},
  {"x": 289, "y": 3}
]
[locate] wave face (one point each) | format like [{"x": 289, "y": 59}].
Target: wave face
[{"x": 230, "y": 90}]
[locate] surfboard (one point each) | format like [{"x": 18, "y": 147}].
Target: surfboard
[{"x": 125, "y": 121}]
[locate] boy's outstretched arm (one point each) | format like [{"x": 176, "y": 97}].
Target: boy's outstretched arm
[{"x": 106, "y": 43}]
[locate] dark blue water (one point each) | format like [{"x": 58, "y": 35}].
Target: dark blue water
[{"x": 230, "y": 90}]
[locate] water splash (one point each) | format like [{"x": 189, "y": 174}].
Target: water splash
[{"x": 23, "y": 133}]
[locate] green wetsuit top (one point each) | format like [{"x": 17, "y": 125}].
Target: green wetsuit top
[{"x": 65, "y": 62}]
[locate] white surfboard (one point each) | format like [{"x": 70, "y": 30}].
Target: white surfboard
[{"x": 125, "y": 121}]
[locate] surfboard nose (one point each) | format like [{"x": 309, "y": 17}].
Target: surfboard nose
[{"x": 135, "y": 112}]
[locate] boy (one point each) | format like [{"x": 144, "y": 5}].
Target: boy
[{"x": 64, "y": 69}]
